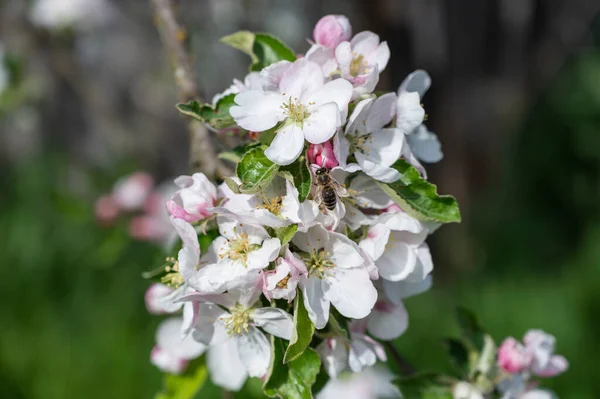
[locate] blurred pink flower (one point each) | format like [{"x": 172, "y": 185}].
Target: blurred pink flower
[
  {"x": 106, "y": 209},
  {"x": 322, "y": 155},
  {"x": 513, "y": 357},
  {"x": 331, "y": 30},
  {"x": 130, "y": 192}
]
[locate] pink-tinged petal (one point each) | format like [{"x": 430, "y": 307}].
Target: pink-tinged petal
[
  {"x": 376, "y": 240},
  {"x": 272, "y": 74},
  {"x": 538, "y": 394},
  {"x": 274, "y": 321},
  {"x": 381, "y": 112},
  {"x": 257, "y": 111},
  {"x": 397, "y": 262},
  {"x": 324, "y": 57},
  {"x": 360, "y": 356},
  {"x": 189, "y": 255},
  {"x": 169, "y": 338},
  {"x": 148, "y": 228},
  {"x": 131, "y": 191},
  {"x": 387, "y": 321},
  {"x": 419, "y": 81},
  {"x": 106, "y": 209},
  {"x": 167, "y": 362},
  {"x": 338, "y": 91},
  {"x": 365, "y": 84},
  {"x": 301, "y": 80},
  {"x": 557, "y": 365},
  {"x": 512, "y": 356},
  {"x": 334, "y": 356},
  {"x": 322, "y": 123},
  {"x": 410, "y": 114},
  {"x": 343, "y": 56},
  {"x": 365, "y": 42},
  {"x": 351, "y": 292},
  {"x": 154, "y": 296},
  {"x": 331, "y": 30},
  {"x": 225, "y": 367},
  {"x": 314, "y": 301},
  {"x": 255, "y": 352},
  {"x": 287, "y": 145}
]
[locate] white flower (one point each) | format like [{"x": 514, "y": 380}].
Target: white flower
[
  {"x": 545, "y": 363},
  {"x": 252, "y": 81},
  {"x": 155, "y": 299},
  {"x": 424, "y": 144},
  {"x": 337, "y": 274},
  {"x": 281, "y": 283},
  {"x": 388, "y": 320},
  {"x": 355, "y": 353},
  {"x": 361, "y": 60},
  {"x": 464, "y": 390},
  {"x": 239, "y": 325},
  {"x": 308, "y": 107},
  {"x": 276, "y": 206},
  {"x": 396, "y": 245},
  {"x": 375, "y": 147},
  {"x": 83, "y": 14},
  {"x": 238, "y": 254},
  {"x": 193, "y": 200},
  {"x": 372, "y": 383},
  {"x": 173, "y": 350}
]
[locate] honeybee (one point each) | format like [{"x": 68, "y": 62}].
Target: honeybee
[{"x": 328, "y": 190}]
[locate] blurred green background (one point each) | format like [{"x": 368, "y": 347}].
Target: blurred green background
[{"x": 522, "y": 154}]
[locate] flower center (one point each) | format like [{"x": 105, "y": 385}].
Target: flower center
[
  {"x": 358, "y": 65},
  {"x": 173, "y": 278},
  {"x": 283, "y": 282},
  {"x": 362, "y": 144},
  {"x": 238, "y": 248},
  {"x": 272, "y": 205},
  {"x": 319, "y": 263},
  {"x": 295, "y": 110},
  {"x": 238, "y": 321}
]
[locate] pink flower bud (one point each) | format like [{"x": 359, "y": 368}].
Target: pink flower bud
[
  {"x": 106, "y": 209},
  {"x": 167, "y": 362},
  {"x": 130, "y": 192},
  {"x": 153, "y": 296},
  {"x": 322, "y": 155},
  {"x": 331, "y": 30},
  {"x": 147, "y": 228},
  {"x": 513, "y": 357}
]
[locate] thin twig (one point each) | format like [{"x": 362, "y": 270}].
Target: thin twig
[
  {"x": 405, "y": 367},
  {"x": 203, "y": 156}
]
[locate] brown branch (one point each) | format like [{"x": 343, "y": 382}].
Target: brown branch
[
  {"x": 403, "y": 365},
  {"x": 203, "y": 156}
]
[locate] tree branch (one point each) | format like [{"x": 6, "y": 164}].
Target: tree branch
[
  {"x": 203, "y": 156},
  {"x": 403, "y": 365}
]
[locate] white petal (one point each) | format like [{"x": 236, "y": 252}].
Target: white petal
[
  {"x": 351, "y": 292},
  {"x": 169, "y": 338},
  {"x": 314, "y": 301},
  {"x": 397, "y": 262},
  {"x": 387, "y": 321},
  {"x": 207, "y": 329},
  {"x": 290, "y": 205},
  {"x": 357, "y": 122},
  {"x": 338, "y": 91},
  {"x": 370, "y": 82},
  {"x": 410, "y": 114},
  {"x": 257, "y": 111},
  {"x": 382, "y": 112},
  {"x": 260, "y": 258},
  {"x": 301, "y": 80},
  {"x": 287, "y": 145},
  {"x": 190, "y": 252},
  {"x": 334, "y": 356},
  {"x": 377, "y": 239},
  {"x": 404, "y": 222},
  {"x": 398, "y": 290},
  {"x": 322, "y": 123},
  {"x": 360, "y": 356},
  {"x": 225, "y": 367},
  {"x": 425, "y": 145},
  {"x": 272, "y": 74},
  {"x": 419, "y": 81},
  {"x": 424, "y": 265},
  {"x": 538, "y": 394},
  {"x": 341, "y": 148},
  {"x": 344, "y": 252},
  {"x": 255, "y": 352},
  {"x": 255, "y": 217},
  {"x": 383, "y": 148},
  {"x": 378, "y": 172},
  {"x": 275, "y": 321},
  {"x": 380, "y": 56},
  {"x": 343, "y": 56},
  {"x": 365, "y": 42},
  {"x": 369, "y": 195}
]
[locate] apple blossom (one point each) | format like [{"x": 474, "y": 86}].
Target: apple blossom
[
  {"x": 331, "y": 30},
  {"x": 322, "y": 155},
  {"x": 372, "y": 383},
  {"x": 308, "y": 108},
  {"x": 106, "y": 209},
  {"x": 464, "y": 390},
  {"x": 337, "y": 275},
  {"x": 281, "y": 283},
  {"x": 513, "y": 357},
  {"x": 130, "y": 192},
  {"x": 173, "y": 351},
  {"x": 196, "y": 195},
  {"x": 541, "y": 346}
]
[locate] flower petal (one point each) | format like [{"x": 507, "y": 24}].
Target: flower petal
[
  {"x": 383, "y": 148},
  {"x": 377, "y": 239},
  {"x": 169, "y": 338},
  {"x": 395, "y": 291},
  {"x": 365, "y": 42},
  {"x": 419, "y": 81},
  {"x": 287, "y": 145},
  {"x": 275, "y": 321},
  {"x": 351, "y": 292},
  {"x": 338, "y": 91},
  {"x": 387, "y": 321},
  {"x": 225, "y": 367},
  {"x": 314, "y": 301},
  {"x": 322, "y": 123},
  {"x": 301, "y": 80},
  {"x": 378, "y": 172},
  {"x": 334, "y": 356},
  {"x": 257, "y": 111},
  {"x": 410, "y": 114},
  {"x": 255, "y": 352},
  {"x": 260, "y": 258},
  {"x": 381, "y": 112},
  {"x": 425, "y": 145}
]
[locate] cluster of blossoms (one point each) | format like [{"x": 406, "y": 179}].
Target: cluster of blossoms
[
  {"x": 319, "y": 238},
  {"x": 143, "y": 204},
  {"x": 517, "y": 365}
]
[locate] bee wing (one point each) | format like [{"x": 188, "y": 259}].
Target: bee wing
[
  {"x": 340, "y": 190},
  {"x": 318, "y": 194}
]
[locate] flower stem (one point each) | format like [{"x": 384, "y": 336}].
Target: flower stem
[{"x": 404, "y": 366}]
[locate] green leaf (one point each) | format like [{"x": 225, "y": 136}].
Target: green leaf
[
  {"x": 423, "y": 385},
  {"x": 459, "y": 355},
  {"x": 264, "y": 49},
  {"x": 419, "y": 198},
  {"x": 294, "y": 379},
  {"x": 233, "y": 186},
  {"x": 217, "y": 117},
  {"x": 186, "y": 385},
  {"x": 299, "y": 174},
  {"x": 285, "y": 234},
  {"x": 237, "y": 153},
  {"x": 302, "y": 332},
  {"x": 470, "y": 329},
  {"x": 255, "y": 171}
]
